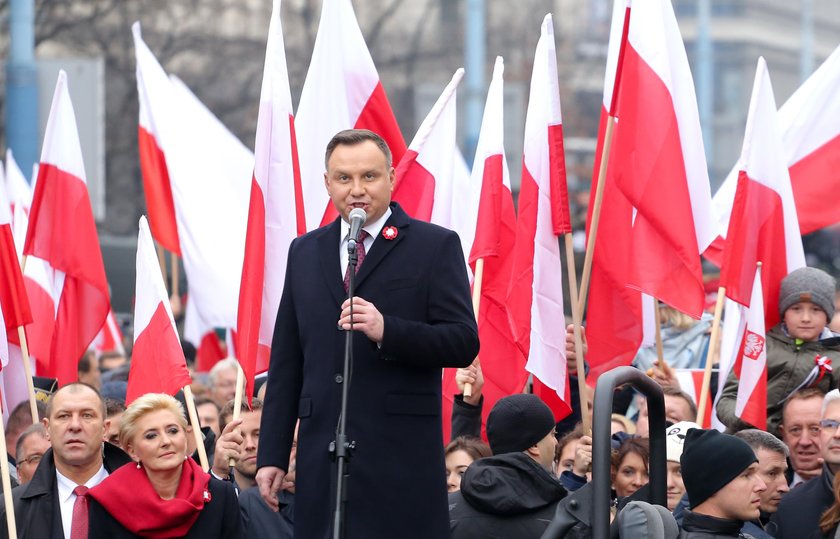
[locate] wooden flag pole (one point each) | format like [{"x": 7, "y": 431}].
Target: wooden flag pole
[
  {"x": 7, "y": 485},
  {"x": 713, "y": 343},
  {"x": 596, "y": 214},
  {"x": 237, "y": 400},
  {"x": 476, "y": 301},
  {"x": 199, "y": 440},
  {"x": 585, "y": 416},
  {"x": 27, "y": 368},
  {"x": 161, "y": 260},
  {"x": 176, "y": 275},
  {"x": 660, "y": 353}
]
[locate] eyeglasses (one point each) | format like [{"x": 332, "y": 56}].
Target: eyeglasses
[
  {"x": 829, "y": 425},
  {"x": 32, "y": 459}
]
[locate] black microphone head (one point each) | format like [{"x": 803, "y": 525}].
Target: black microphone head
[{"x": 357, "y": 213}]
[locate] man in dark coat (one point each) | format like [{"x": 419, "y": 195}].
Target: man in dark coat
[
  {"x": 76, "y": 425},
  {"x": 512, "y": 493},
  {"x": 801, "y": 509},
  {"x": 412, "y": 314}
]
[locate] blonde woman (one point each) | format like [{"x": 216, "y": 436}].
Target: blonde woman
[{"x": 164, "y": 494}]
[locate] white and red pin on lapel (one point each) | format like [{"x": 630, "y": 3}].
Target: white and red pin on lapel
[
  {"x": 390, "y": 232},
  {"x": 206, "y": 495}
]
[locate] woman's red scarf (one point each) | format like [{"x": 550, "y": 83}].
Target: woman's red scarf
[{"x": 129, "y": 497}]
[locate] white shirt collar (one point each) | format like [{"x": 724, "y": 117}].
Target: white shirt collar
[
  {"x": 66, "y": 485},
  {"x": 373, "y": 229}
]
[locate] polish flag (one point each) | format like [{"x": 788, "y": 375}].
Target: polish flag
[
  {"x": 751, "y": 367},
  {"x": 425, "y": 186},
  {"x": 691, "y": 382},
  {"x": 153, "y": 90},
  {"x": 535, "y": 296},
  {"x": 14, "y": 304},
  {"x": 502, "y": 362},
  {"x": 342, "y": 91},
  {"x": 63, "y": 233},
  {"x": 275, "y": 215},
  {"x": 17, "y": 187},
  {"x": 109, "y": 338},
  {"x": 157, "y": 360},
  {"x": 809, "y": 125}
]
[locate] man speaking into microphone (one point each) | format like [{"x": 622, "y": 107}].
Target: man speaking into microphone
[{"x": 412, "y": 316}]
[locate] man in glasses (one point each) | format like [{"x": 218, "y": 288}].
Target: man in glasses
[
  {"x": 800, "y": 510},
  {"x": 31, "y": 446}
]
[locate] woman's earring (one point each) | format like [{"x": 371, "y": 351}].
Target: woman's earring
[
  {"x": 138, "y": 464},
  {"x": 186, "y": 456}
]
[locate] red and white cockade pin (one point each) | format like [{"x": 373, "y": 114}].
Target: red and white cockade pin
[
  {"x": 206, "y": 496},
  {"x": 389, "y": 232}
]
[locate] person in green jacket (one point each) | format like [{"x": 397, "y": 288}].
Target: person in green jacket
[{"x": 800, "y": 349}]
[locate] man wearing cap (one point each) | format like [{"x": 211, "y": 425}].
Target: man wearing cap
[
  {"x": 798, "y": 352},
  {"x": 721, "y": 479},
  {"x": 512, "y": 493}
]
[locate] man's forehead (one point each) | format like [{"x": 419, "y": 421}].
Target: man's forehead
[
  {"x": 80, "y": 400},
  {"x": 832, "y": 411},
  {"x": 803, "y": 410}
]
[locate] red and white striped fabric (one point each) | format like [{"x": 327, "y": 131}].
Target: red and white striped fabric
[
  {"x": 17, "y": 187},
  {"x": 691, "y": 382},
  {"x": 535, "y": 296},
  {"x": 153, "y": 137},
  {"x": 62, "y": 232},
  {"x": 342, "y": 91},
  {"x": 425, "y": 188},
  {"x": 751, "y": 366},
  {"x": 275, "y": 215},
  {"x": 109, "y": 338},
  {"x": 809, "y": 124},
  {"x": 157, "y": 360}
]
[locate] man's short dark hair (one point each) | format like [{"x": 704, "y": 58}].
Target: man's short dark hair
[
  {"x": 21, "y": 416},
  {"x": 75, "y": 387},
  {"x": 227, "y": 410},
  {"x": 113, "y": 407},
  {"x": 351, "y": 137},
  {"x": 85, "y": 363},
  {"x": 759, "y": 439},
  {"x": 676, "y": 392},
  {"x": 36, "y": 429},
  {"x": 802, "y": 394}
]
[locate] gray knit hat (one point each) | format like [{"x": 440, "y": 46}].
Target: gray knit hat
[{"x": 808, "y": 284}]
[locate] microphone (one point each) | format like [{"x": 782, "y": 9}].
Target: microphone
[{"x": 357, "y": 220}]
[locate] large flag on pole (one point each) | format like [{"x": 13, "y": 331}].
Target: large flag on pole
[
  {"x": 425, "y": 176},
  {"x": 153, "y": 90},
  {"x": 535, "y": 297},
  {"x": 751, "y": 367},
  {"x": 14, "y": 302},
  {"x": 342, "y": 91},
  {"x": 157, "y": 360},
  {"x": 62, "y": 232},
  {"x": 809, "y": 125},
  {"x": 275, "y": 215}
]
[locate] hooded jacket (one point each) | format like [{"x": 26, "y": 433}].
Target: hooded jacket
[{"x": 504, "y": 496}]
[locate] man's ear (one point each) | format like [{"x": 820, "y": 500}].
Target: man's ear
[
  {"x": 106, "y": 425},
  {"x": 46, "y": 423},
  {"x": 392, "y": 176},
  {"x": 533, "y": 451}
]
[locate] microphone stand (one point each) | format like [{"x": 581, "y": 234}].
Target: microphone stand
[{"x": 341, "y": 449}]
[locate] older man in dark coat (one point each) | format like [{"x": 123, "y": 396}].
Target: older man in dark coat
[{"x": 412, "y": 316}]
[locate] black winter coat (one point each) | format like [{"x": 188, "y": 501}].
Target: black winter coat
[
  {"x": 799, "y": 512},
  {"x": 502, "y": 497},
  {"x": 697, "y": 526}
]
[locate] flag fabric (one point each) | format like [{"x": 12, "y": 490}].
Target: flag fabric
[
  {"x": 502, "y": 362},
  {"x": 425, "y": 176},
  {"x": 17, "y": 187},
  {"x": 535, "y": 296},
  {"x": 14, "y": 302},
  {"x": 109, "y": 338},
  {"x": 153, "y": 91},
  {"x": 275, "y": 214},
  {"x": 342, "y": 91},
  {"x": 809, "y": 125},
  {"x": 157, "y": 360},
  {"x": 751, "y": 367},
  {"x": 210, "y": 351},
  {"x": 691, "y": 382},
  {"x": 62, "y": 232}
]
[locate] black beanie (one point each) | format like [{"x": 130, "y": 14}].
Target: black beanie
[
  {"x": 710, "y": 460},
  {"x": 518, "y": 422}
]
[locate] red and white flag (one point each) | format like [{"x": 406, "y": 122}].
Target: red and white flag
[
  {"x": 62, "y": 232},
  {"x": 275, "y": 215},
  {"x": 425, "y": 186},
  {"x": 17, "y": 187},
  {"x": 342, "y": 91},
  {"x": 109, "y": 338},
  {"x": 153, "y": 136},
  {"x": 691, "y": 382},
  {"x": 535, "y": 297},
  {"x": 751, "y": 366},
  {"x": 157, "y": 360},
  {"x": 809, "y": 125}
]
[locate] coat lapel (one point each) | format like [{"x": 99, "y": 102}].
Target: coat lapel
[
  {"x": 330, "y": 265},
  {"x": 381, "y": 246}
]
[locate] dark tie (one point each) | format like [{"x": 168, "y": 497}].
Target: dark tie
[
  {"x": 79, "y": 524},
  {"x": 360, "y": 257}
]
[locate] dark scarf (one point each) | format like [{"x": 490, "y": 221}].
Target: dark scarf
[
  {"x": 695, "y": 522},
  {"x": 130, "y": 498}
]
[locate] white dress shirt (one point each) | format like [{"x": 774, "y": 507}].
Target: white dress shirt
[
  {"x": 373, "y": 229},
  {"x": 66, "y": 498}
]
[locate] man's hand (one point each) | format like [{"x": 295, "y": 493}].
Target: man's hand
[
  {"x": 583, "y": 456},
  {"x": 366, "y": 318},
  {"x": 571, "y": 355},
  {"x": 271, "y": 480},
  {"x": 227, "y": 447},
  {"x": 664, "y": 375},
  {"x": 471, "y": 375},
  {"x": 810, "y": 474}
]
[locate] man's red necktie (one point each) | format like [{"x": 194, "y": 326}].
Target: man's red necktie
[{"x": 79, "y": 524}]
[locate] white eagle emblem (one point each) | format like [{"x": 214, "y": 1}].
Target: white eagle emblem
[{"x": 753, "y": 345}]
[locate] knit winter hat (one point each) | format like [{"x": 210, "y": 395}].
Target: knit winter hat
[
  {"x": 808, "y": 284},
  {"x": 710, "y": 460},
  {"x": 517, "y": 422},
  {"x": 675, "y": 439}
]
